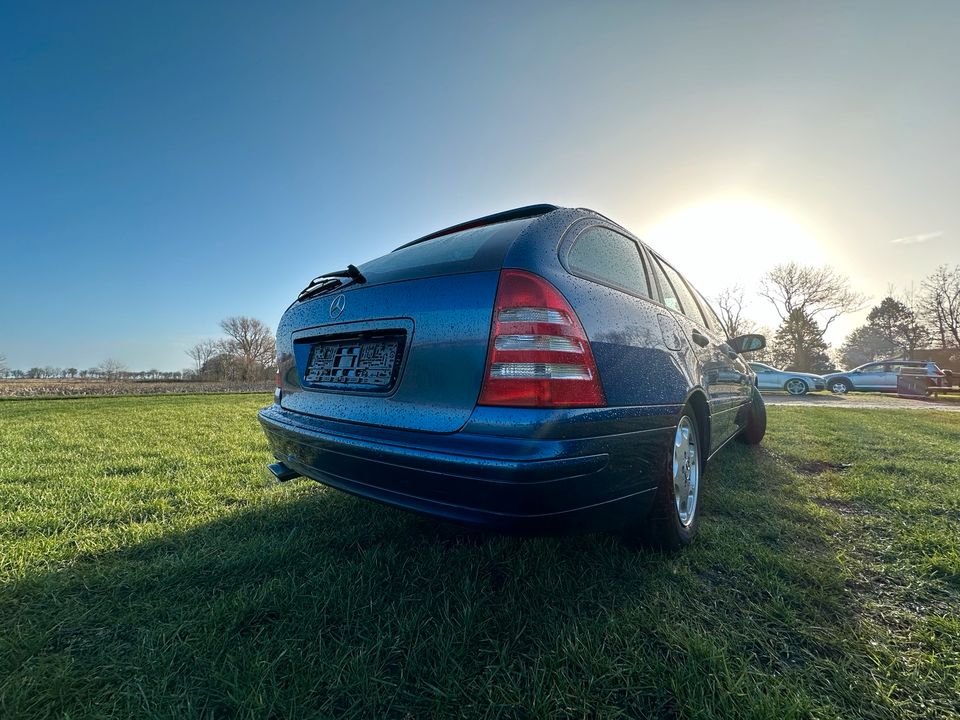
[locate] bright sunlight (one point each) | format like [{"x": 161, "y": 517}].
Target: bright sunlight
[{"x": 729, "y": 238}]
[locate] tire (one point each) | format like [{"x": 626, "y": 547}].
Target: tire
[
  {"x": 840, "y": 386},
  {"x": 756, "y": 426},
  {"x": 675, "y": 514},
  {"x": 796, "y": 386}
]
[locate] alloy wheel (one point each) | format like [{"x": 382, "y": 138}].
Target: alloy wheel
[{"x": 686, "y": 470}]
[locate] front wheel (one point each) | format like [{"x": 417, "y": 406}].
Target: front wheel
[
  {"x": 756, "y": 425},
  {"x": 841, "y": 386},
  {"x": 796, "y": 386},
  {"x": 675, "y": 515}
]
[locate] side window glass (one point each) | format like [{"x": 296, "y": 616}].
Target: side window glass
[
  {"x": 669, "y": 296},
  {"x": 609, "y": 258},
  {"x": 713, "y": 322},
  {"x": 687, "y": 302}
]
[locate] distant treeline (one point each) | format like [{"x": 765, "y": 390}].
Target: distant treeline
[{"x": 246, "y": 354}]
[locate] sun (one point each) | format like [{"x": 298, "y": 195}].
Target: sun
[{"x": 732, "y": 241}]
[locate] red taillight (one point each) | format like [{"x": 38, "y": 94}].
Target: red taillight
[{"x": 539, "y": 355}]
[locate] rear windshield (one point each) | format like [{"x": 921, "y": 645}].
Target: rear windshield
[{"x": 475, "y": 250}]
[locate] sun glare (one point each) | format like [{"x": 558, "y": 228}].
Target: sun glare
[{"x": 732, "y": 241}]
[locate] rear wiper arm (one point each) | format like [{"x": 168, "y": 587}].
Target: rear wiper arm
[
  {"x": 352, "y": 272},
  {"x": 329, "y": 281}
]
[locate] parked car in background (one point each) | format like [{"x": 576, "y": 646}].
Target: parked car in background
[
  {"x": 881, "y": 376},
  {"x": 795, "y": 383},
  {"x": 537, "y": 370}
]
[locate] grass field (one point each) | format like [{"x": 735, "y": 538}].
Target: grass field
[{"x": 148, "y": 568}]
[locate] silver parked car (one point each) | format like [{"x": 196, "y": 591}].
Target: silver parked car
[
  {"x": 882, "y": 376},
  {"x": 795, "y": 383}
]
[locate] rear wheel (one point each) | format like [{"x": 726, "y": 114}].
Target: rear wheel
[
  {"x": 796, "y": 386},
  {"x": 841, "y": 386},
  {"x": 756, "y": 425},
  {"x": 675, "y": 515}
]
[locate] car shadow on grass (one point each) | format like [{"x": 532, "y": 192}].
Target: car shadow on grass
[{"x": 315, "y": 603}]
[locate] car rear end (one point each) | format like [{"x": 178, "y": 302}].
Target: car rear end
[{"x": 449, "y": 384}]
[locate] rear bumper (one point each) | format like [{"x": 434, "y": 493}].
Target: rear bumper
[{"x": 570, "y": 483}]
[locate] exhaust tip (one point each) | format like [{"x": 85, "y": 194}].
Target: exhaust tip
[{"x": 281, "y": 472}]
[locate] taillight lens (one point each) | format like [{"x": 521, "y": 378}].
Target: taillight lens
[{"x": 539, "y": 355}]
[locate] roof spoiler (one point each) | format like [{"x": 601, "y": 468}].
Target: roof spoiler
[{"x": 527, "y": 211}]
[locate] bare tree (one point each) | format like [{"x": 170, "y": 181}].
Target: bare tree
[
  {"x": 939, "y": 305},
  {"x": 202, "y": 352},
  {"x": 730, "y": 303},
  {"x": 252, "y": 343},
  {"x": 820, "y": 294},
  {"x": 111, "y": 369},
  {"x": 3, "y": 366}
]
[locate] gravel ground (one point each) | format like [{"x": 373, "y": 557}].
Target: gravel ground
[{"x": 877, "y": 401}]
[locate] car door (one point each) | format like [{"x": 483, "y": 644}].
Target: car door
[
  {"x": 767, "y": 378},
  {"x": 720, "y": 377},
  {"x": 888, "y": 381},
  {"x": 869, "y": 377}
]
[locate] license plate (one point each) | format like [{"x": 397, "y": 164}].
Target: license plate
[{"x": 354, "y": 364}]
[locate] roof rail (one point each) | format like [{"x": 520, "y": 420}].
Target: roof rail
[{"x": 516, "y": 214}]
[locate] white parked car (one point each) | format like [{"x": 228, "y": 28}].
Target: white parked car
[{"x": 795, "y": 383}]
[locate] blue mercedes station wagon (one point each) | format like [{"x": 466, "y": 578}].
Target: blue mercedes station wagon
[{"x": 539, "y": 370}]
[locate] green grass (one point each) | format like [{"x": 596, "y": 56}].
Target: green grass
[{"x": 148, "y": 568}]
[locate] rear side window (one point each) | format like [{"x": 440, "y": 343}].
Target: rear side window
[
  {"x": 709, "y": 315},
  {"x": 475, "y": 250},
  {"x": 688, "y": 306},
  {"x": 609, "y": 258}
]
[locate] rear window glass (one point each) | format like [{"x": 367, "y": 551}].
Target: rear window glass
[
  {"x": 609, "y": 258},
  {"x": 474, "y": 250}
]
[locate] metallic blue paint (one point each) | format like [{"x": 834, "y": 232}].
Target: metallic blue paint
[{"x": 427, "y": 446}]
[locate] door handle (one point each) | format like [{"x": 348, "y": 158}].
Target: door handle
[{"x": 700, "y": 339}]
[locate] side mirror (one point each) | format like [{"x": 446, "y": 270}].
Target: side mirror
[{"x": 747, "y": 343}]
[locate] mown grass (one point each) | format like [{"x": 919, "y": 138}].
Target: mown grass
[{"x": 148, "y": 567}]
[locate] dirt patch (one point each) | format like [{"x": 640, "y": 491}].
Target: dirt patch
[
  {"x": 818, "y": 467},
  {"x": 846, "y": 508}
]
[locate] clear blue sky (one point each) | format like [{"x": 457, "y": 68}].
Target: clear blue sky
[{"x": 164, "y": 165}]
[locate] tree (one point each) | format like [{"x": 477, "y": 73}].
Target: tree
[
  {"x": 730, "y": 302},
  {"x": 768, "y": 352},
  {"x": 897, "y": 325},
  {"x": 252, "y": 344},
  {"x": 799, "y": 345},
  {"x": 201, "y": 353},
  {"x": 939, "y": 305},
  {"x": 863, "y": 345},
  {"x": 111, "y": 369},
  {"x": 820, "y": 295},
  {"x": 3, "y": 366},
  {"x": 892, "y": 329},
  {"x": 223, "y": 366}
]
